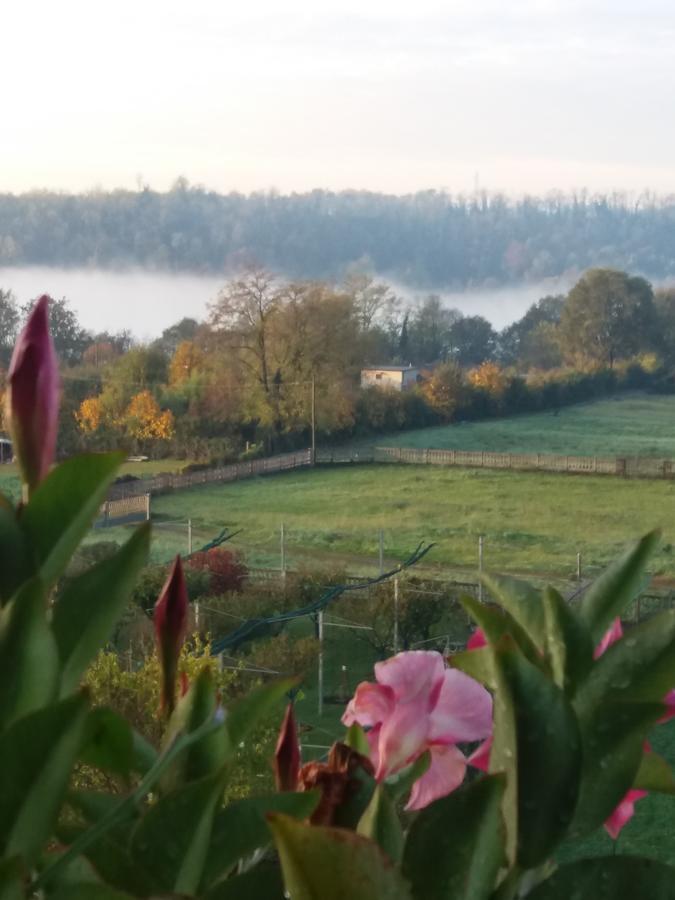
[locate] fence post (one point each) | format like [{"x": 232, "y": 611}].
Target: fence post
[
  {"x": 381, "y": 553},
  {"x": 282, "y": 549},
  {"x": 189, "y": 532},
  {"x": 578, "y": 566},
  {"x": 480, "y": 568},
  {"x": 320, "y": 679},
  {"x": 147, "y": 507},
  {"x": 396, "y": 614}
]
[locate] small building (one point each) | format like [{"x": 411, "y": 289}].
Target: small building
[
  {"x": 397, "y": 378},
  {"x": 6, "y": 450}
]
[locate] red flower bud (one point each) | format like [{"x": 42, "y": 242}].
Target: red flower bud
[
  {"x": 33, "y": 396},
  {"x": 287, "y": 754},
  {"x": 170, "y": 625}
]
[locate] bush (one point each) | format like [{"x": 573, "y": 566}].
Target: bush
[{"x": 226, "y": 571}]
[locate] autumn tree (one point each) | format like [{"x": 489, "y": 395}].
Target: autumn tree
[
  {"x": 185, "y": 362},
  {"x": 444, "y": 390},
  {"x": 145, "y": 421},
  {"x": 608, "y": 315},
  {"x": 489, "y": 377}
]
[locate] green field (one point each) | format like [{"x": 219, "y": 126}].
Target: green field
[
  {"x": 533, "y": 523},
  {"x": 628, "y": 425}
]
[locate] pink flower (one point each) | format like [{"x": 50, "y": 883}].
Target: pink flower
[
  {"x": 669, "y": 702},
  {"x": 612, "y": 635},
  {"x": 33, "y": 396},
  {"x": 623, "y": 813},
  {"x": 476, "y": 640},
  {"x": 416, "y": 705},
  {"x": 170, "y": 619}
]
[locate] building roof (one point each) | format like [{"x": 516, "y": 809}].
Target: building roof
[{"x": 389, "y": 368}]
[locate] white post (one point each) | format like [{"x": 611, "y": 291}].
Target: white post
[
  {"x": 282, "y": 544},
  {"x": 396, "y": 614},
  {"x": 147, "y": 507},
  {"x": 320, "y": 624},
  {"x": 480, "y": 567},
  {"x": 381, "y": 551},
  {"x": 578, "y": 566},
  {"x": 189, "y": 524}
]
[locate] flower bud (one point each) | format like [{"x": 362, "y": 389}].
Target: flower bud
[
  {"x": 287, "y": 754},
  {"x": 170, "y": 625},
  {"x": 33, "y": 397}
]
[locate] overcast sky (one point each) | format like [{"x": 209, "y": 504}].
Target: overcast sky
[{"x": 529, "y": 95}]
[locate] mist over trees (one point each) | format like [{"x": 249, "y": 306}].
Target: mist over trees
[{"x": 426, "y": 240}]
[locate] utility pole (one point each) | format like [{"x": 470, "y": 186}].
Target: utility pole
[
  {"x": 282, "y": 541},
  {"x": 313, "y": 421},
  {"x": 396, "y": 614},
  {"x": 320, "y": 635},
  {"x": 480, "y": 567},
  {"x": 189, "y": 537},
  {"x": 578, "y": 566},
  {"x": 381, "y": 551}
]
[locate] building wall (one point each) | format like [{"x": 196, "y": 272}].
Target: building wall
[{"x": 397, "y": 380}]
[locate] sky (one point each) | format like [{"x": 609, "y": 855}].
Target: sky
[{"x": 525, "y": 96}]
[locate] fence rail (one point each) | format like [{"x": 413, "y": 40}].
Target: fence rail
[
  {"x": 127, "y": 509},
  {"x": 163, "y": 483},
  {"x": 622, "y": 466}
]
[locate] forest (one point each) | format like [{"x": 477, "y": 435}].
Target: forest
[
  {"x": 243, "y": 381},
  {"x": 430, "y": 239}
]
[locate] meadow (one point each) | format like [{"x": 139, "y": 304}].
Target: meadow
[
  {"x": 532, "y": 523},
  {"x": 633, "y": 424}
]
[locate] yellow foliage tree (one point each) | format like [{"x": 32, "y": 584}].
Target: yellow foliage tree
[
  {"x": 144, "y": 420},
  {"x": 89, "y": 415},
  {"x": 186, "y": 359},
  {"x": 489, "y": 377}
]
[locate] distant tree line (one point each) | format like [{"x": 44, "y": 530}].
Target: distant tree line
[
  {"x": 240, "y": 383},
  {"x": 426, "y": 240}
]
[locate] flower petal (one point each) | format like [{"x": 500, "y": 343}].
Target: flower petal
[
  {"x": 463, "y": 711},
  {"x": 371, "y": 704},
  {"x": 402, "y": 738},
  {"x": 413, "y": 675},
  {"x": 444, "y": 775},
  {"x": 612, "y": 635},
  {"x": 480, "y": 758},
  {"x": 623, "y": 813},
  {"x": 476, "y": 640},
  {"x": 669, "y": 703}
]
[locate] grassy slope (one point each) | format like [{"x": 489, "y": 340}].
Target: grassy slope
[{"x": 630, "y": 425}]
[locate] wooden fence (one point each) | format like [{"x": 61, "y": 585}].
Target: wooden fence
[
  {"x": 127, "y": 509},
  {"x": 163, "y": 483},
  {"x": 626, "y": 467}
]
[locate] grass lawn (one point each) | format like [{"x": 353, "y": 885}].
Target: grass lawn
[
  {"x": 629, "y": 425},
  {"x": 532, "y": 522}
]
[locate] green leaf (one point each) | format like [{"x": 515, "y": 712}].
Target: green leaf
[
  {"x": 91, "y": 605},
  {"x": 522, "y": 601},
  {"x": 612, "y": 739},
  {"x": 15, "y": 561},
  {"x": 322, "y": 863},
  {"x": 381, "y": 824},
  {"x": 619, "y": 584},
  {"x": 568, "y": 642},
  {"x": 243, "y": 716},
  {"x": 357, "y": 740},
  {"x": 609, "y": 878},
  {"x": 38, "y": 753},
  {"x": 479, "y": 664},
  {"x": 208, "y": 755},
  {"x": 172, "y": 839},
  {"x": 88, "y": 891},
  {"x": 654, "y": 774},
  {"x": 63, "y": 507},
  {"x": 29, "y": 664},
  {"x": 108, "y": 742},
  {"x": 641, "y": 666},
  {"x": 241, "y": 828},
  {"x": 496, "y": 622},
  {"x": 455, "y": 847},
  {"x": 11, "y": 879},
  {"x": 401, "y": 784},
  {"x": 144, "y": 754},
  {"x": 548, "y": 754},
  {"x": 262, "y": 883}
]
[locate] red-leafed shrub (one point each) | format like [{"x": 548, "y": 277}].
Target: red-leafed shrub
[{"x": 226, "y": 569}]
